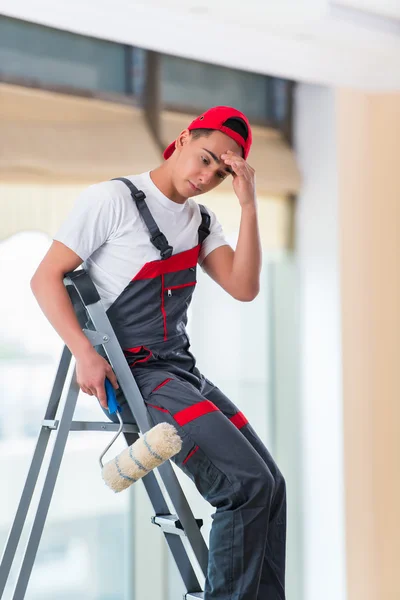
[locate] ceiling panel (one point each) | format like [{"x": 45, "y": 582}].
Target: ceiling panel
[
  {"x": 383, "y": 8},
  {"x": 300, "y": 40}
]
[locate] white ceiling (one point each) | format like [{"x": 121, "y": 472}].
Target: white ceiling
[
  {"x": 387, "y": 8},
  {"x": 319, "y": 41}
]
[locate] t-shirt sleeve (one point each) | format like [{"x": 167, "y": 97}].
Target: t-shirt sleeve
[
  {"x": 91, "y": 222},
  {"x": 214, "y": 240}
]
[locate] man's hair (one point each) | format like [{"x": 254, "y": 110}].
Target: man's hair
[{"x": 235, "y": 123}]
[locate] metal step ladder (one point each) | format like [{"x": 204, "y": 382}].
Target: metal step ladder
[{"x": 179, "y": 526}]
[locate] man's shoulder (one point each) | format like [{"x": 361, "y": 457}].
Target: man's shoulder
[
  {"x": 110, "y": 193},
  {"x": 115, "y": 185},
  {"x": 197, "y": 204}
]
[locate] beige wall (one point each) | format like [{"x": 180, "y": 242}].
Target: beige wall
[{"x": 369, "y": 192}]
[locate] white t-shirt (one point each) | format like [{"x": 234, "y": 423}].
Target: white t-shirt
[{"x": 106, "y": 230}]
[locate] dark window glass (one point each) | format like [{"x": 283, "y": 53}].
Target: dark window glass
[
  {"x": 54, "y": 57},
  {"x": 138, "y": 72},
  {"x": 192, "y": 85}
]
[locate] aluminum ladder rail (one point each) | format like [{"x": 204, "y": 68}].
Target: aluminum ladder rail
[{"x": 180, "y": 528}]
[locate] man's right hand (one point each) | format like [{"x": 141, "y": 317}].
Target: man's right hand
[
  {"x": 49, "y": 290},
  {"x": 91, "y": 371}
]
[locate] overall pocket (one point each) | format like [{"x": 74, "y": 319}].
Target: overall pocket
[{"x": 139, "y": 354}]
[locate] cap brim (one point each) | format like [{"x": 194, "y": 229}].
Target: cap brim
[{"x": 169, "y": 150}]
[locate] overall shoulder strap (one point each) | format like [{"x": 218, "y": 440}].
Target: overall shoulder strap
[
  {"x": 204, "y": 228},
  {"x": 157, "y": 238}
]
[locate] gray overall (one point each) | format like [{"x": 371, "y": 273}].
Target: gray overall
[{"x": 221, "y": 452}]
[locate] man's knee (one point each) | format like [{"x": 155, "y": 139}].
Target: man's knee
[
  {"x": 280, "y": 484},
  {"x": 258, "y": 489}
]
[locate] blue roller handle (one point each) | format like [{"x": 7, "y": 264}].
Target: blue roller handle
[{"x": 112, "y": 402}]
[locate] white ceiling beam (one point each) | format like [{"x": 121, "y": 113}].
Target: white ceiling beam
[{"x": 318, "y": 49}]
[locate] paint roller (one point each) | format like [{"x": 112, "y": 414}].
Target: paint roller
[{"x": 153, "y": 448}]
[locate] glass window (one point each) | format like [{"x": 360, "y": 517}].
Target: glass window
[
  {"x": 84, "y": 551},
  {"x": 54, "y": 57},
  {"x": 280, "y": 91},
  {"x": 188, "y": 84},
  {"x": 138, "y": 72}
]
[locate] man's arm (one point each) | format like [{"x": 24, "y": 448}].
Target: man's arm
[
  {"x": 49, "y": 290},
  {"x": 238, "y": 272}
]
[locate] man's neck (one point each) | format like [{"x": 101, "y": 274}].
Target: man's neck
[{"x": 161, "y": 178}]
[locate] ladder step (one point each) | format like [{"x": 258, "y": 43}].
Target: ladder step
[
  {"x": 91, "y": 426},
  {"x": 171, "y": 524}
]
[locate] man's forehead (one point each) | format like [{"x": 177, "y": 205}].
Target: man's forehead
[{"x": 221, "y": 142}]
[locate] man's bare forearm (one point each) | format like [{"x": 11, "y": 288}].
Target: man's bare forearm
[
  {"x": 55, "y": 303},
  {"x": 248, "y": 256}
]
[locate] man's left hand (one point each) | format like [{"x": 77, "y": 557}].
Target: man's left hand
[{"x": 243, "y": 177}]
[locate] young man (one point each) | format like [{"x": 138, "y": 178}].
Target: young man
[{"x": 141, "y": 238}]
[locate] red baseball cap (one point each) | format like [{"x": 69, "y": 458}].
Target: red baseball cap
[{"x": 215, "y": 118}]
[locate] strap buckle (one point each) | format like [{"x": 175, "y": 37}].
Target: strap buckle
[
  {"x": 204, "y": 229},
  {"x": 167, "y": 252},
  {"x": 161, "y": 243},
  {"x": 139, "y": 195}
]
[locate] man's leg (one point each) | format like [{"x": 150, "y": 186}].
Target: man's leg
[
  {"x": 230, "y": 474},
  {"x": 273, "y": 571}
]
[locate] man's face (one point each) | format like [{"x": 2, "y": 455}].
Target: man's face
[{"x": 199, "y": 167}]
